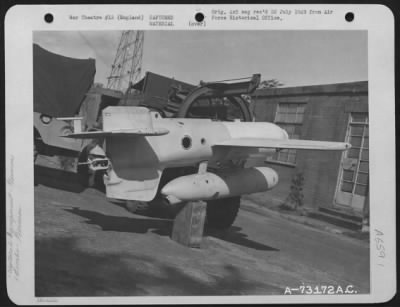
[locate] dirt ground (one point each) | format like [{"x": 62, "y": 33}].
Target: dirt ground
[{"x": 86, "y": 245}]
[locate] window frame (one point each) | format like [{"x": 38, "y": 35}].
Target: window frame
[
  {"x": 358, "y": 173},
  {"x": 282, "y": 120}
]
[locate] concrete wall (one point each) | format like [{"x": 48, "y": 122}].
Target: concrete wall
[{"x": 325, "y": 118}]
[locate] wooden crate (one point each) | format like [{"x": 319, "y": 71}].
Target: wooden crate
[{"x": 189, "y": 224}]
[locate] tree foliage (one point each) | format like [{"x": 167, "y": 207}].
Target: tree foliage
[
  {"x": 271, "y": 83},
  {"x": 295, "y": 198}
]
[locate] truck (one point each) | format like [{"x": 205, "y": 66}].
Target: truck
[{"x": 66, "y": 101}]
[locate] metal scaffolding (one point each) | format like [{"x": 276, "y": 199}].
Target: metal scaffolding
[{"x": 127, "y": 66}]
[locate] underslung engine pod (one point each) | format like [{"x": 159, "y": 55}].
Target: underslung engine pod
[{"x": 208, "y": 186}]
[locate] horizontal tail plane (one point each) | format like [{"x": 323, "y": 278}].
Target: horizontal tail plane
[{"x": 285, "y": 144}]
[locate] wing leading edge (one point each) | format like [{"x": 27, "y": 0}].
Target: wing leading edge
[
  {"x": 125, "y": 132},
  {"x": 285, "y": 144}
]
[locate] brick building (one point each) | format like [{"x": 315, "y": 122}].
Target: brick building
[{"x": 335, "y": 183}]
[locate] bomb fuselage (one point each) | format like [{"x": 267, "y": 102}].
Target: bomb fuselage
[
  {"x": 140, "y": 145},
  {"x": 188, "y": 142}
]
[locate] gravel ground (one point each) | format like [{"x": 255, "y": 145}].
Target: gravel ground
[{"x": 86, "y": 245}]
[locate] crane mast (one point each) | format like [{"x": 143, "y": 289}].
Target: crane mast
[{"x": 127, "y": 66}]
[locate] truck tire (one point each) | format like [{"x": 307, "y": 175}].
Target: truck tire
[
  {"x": 91, "y": 180},
  {"x": 135, "y": 206},
  {"x": 36, "y": 144},
  {"x": 196, "y": 94},
  {"x": 158, "y": 207},
  {"x": 86, "y": 177},
  {"x": 221, "y": 213},
  {"x": 35, "y": 152},
  {"x": 83, "y": 170}
]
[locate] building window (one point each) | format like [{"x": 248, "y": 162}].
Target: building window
[
  {"x": 289, "y": 116},
  {"x": 290, "y": 113},
  {"x": 355, "y": 178}
]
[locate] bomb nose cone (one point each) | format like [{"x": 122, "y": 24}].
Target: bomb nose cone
[
  {"x": 285, "y": 134},
  {"x": 178, "y": 187},
  {"x": 169, "y": 189},
  {"x": 174, "y": 191}
]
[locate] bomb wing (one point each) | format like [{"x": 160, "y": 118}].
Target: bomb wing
[
  {"x": 284, "y": 144},
  {"x": 125, "y": 132},
  {"x": 125, "y": 121}
]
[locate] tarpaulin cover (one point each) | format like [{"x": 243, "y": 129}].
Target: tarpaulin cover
[
  {"x": 157, "y": 89},
  {"x": 60, "y": 83}
]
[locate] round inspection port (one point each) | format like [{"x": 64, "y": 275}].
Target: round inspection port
[{"x": 186, "y": 142}]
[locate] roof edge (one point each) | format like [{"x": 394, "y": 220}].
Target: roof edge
[{"x": 337, "y": 88}]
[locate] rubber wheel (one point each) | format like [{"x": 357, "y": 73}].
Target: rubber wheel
[
  {"x": 83, "y": 171},
  {"x": 86, "y": 177},
  {"x": 35, "y": 152},
  {"x": 36, "y": 144},
  {"x": 135, "y": 206},
  {"x": 158, "y": 208},
  {"x": 221, "y": 213},
  {"x": 96, "y": 180}
]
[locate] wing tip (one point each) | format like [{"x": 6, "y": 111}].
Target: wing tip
[{"x": 286, "y": 144}]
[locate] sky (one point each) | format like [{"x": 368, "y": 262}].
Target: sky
[{"x": 294, "y": 57}]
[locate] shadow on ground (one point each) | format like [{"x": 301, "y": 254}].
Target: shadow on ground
[
  {"x": 62, "y": 269},
  {"x": 162, "y": 227},
  {"x": 56, "y": 178},
  {"x": 236, "y": 236},
  {"x": 123, "y": 223}
]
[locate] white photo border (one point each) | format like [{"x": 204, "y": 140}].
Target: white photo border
[{"x": 22, "y": 20}]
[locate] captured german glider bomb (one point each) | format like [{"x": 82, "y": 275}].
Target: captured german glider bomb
[{"x": 140, "y": 145}]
